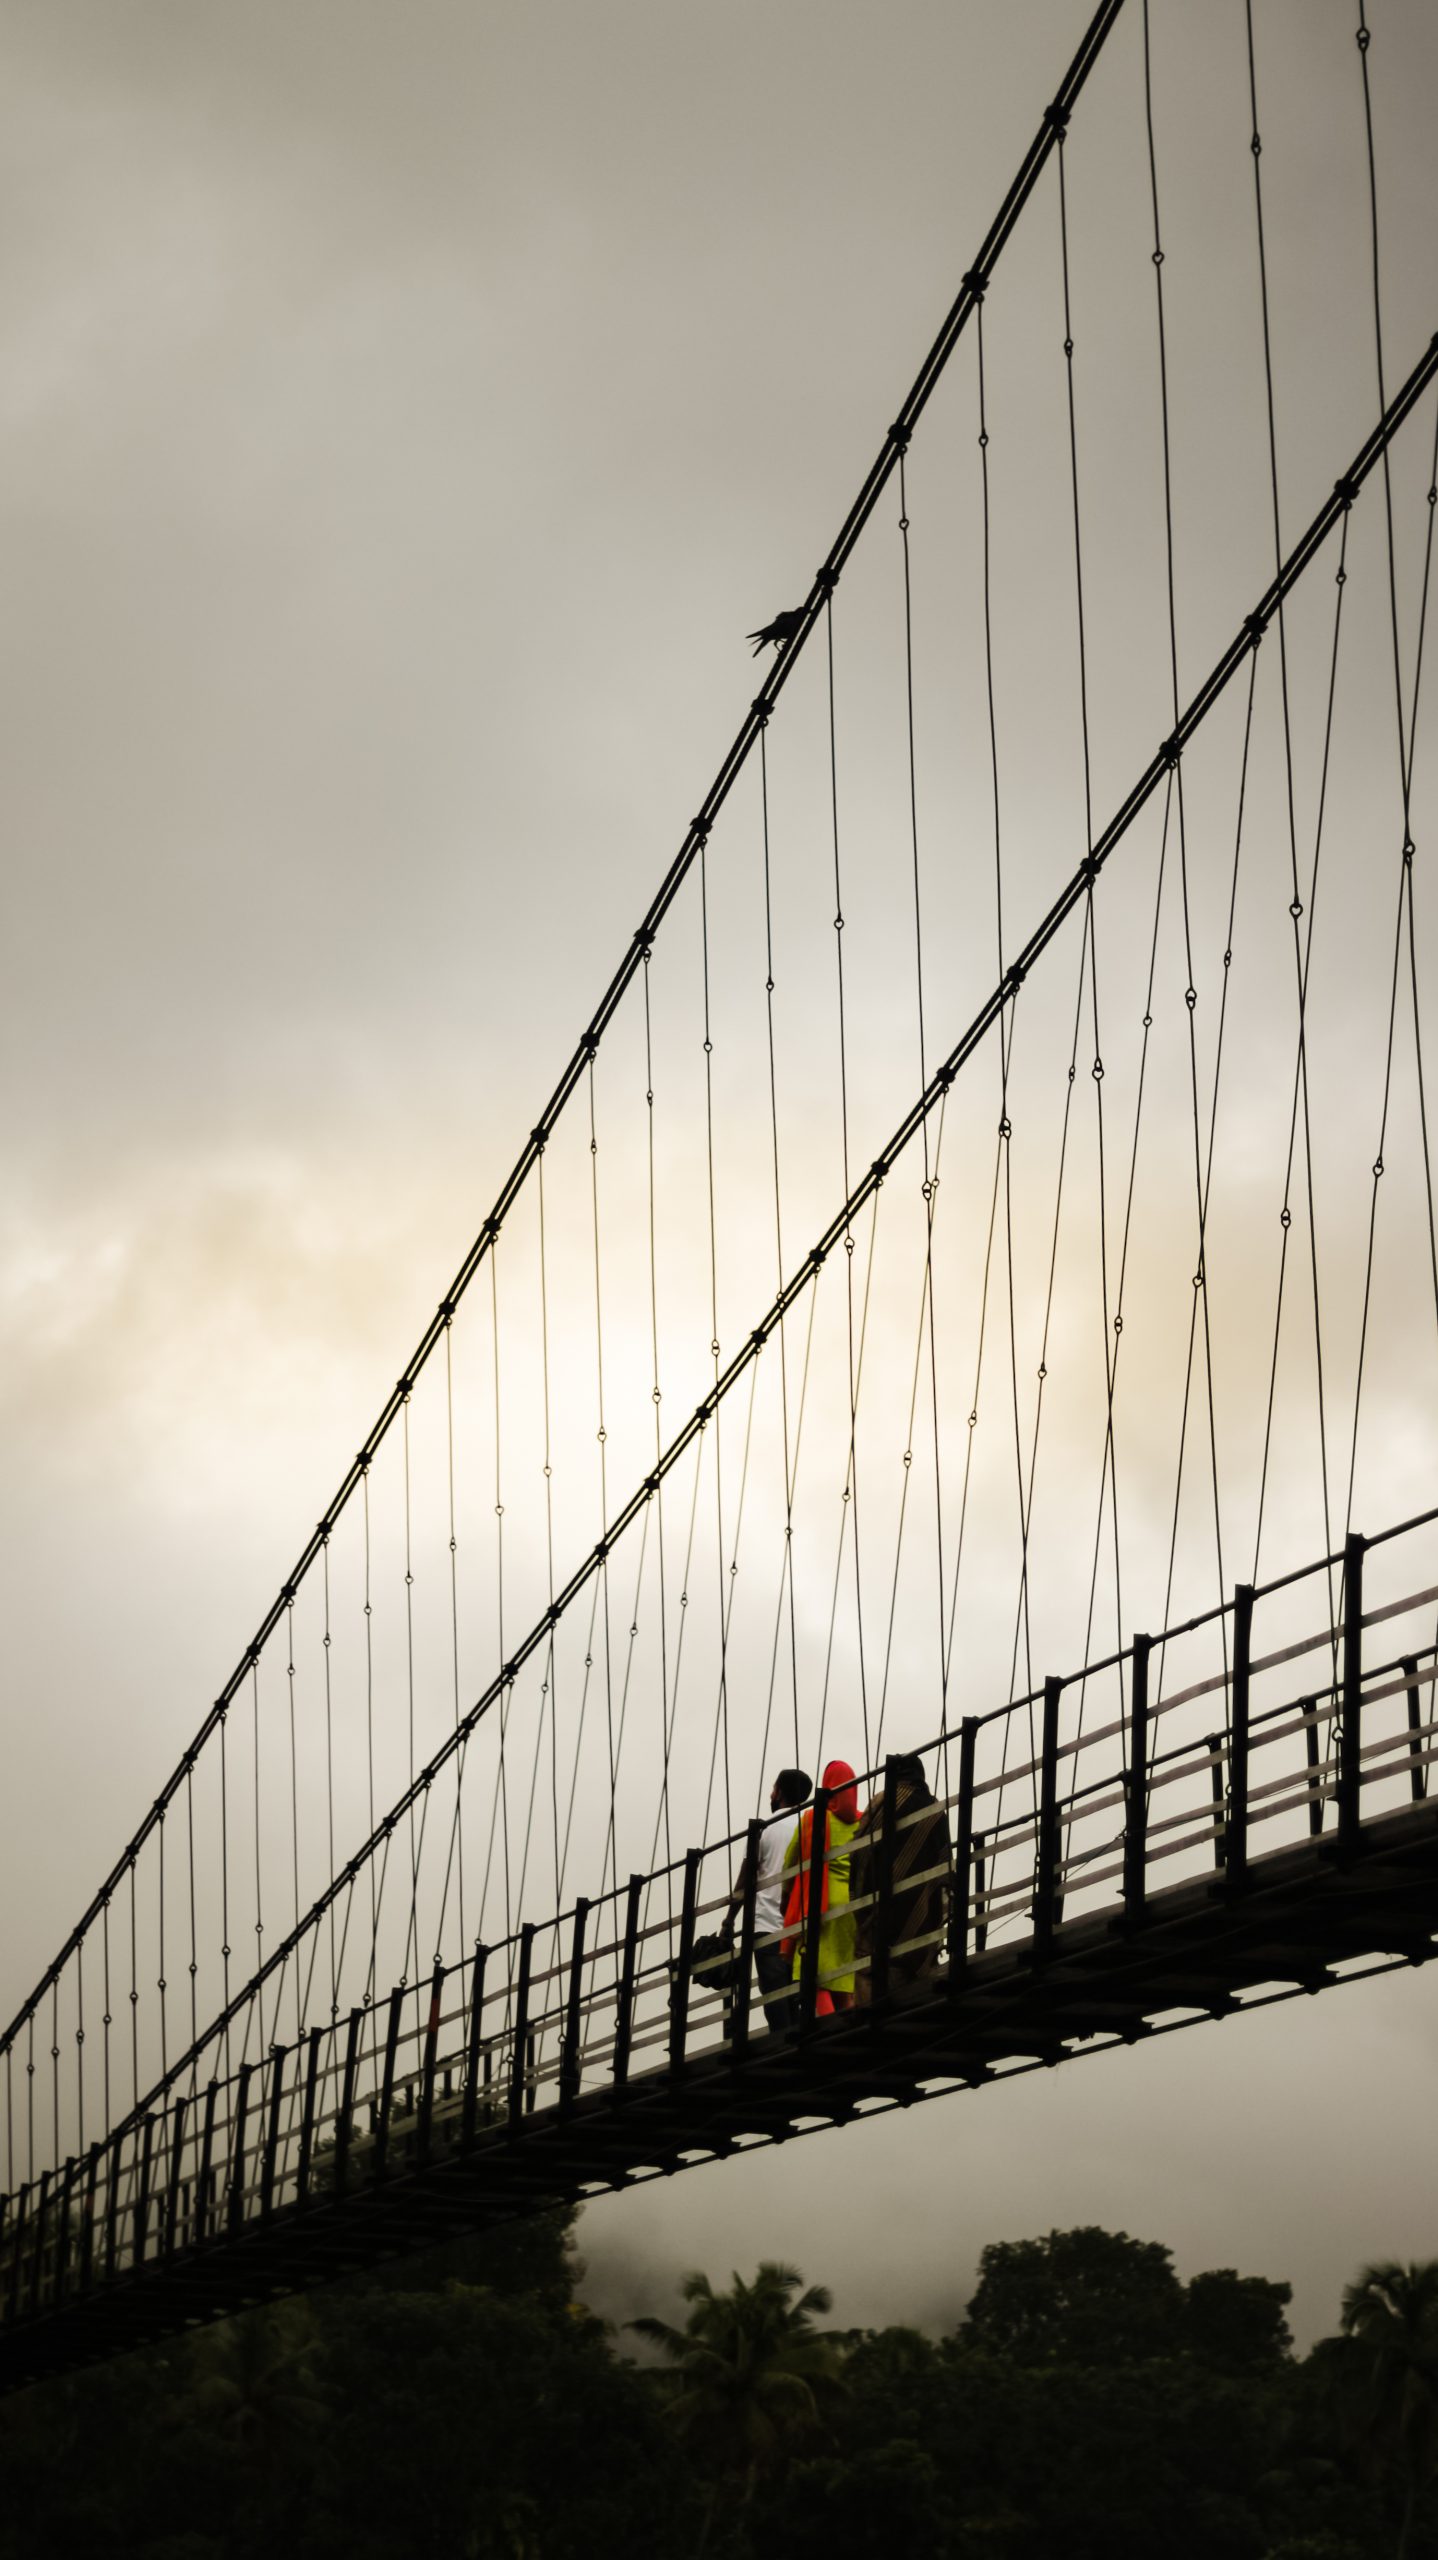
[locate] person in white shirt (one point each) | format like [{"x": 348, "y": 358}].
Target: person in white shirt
[{"x": 772, "y": 1968}]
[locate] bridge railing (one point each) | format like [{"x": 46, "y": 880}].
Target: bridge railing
[{"x": 1297, "y": 1714}]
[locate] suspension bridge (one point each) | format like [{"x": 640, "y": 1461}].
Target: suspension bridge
[{"x": 972, "y": 1293}]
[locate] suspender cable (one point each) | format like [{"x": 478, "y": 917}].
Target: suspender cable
[
  {"x": 1406, "y": 744},
  {"x": 1286, "y": 1213},
  {"x": 722, "y": 1715},
  {"x": 1296, "y": 906},
  {"x": 1200, "y": 1277},
  {"x": 786, "y": 1582},
  {"x": 656, "y": 1400},
  {"x": 851, "y": 1487}
]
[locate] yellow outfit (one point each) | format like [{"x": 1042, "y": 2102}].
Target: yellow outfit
[{"x": 836, "y": 1926}]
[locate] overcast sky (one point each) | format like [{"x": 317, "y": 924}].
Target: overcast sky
[{"x": 405, "y": 412}]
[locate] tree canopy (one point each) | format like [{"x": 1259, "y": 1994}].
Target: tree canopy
[{"x": 1088, "y": 2403}]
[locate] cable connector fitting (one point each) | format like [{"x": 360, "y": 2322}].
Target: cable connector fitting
[
  {"x": 1255, "y": 624},
  {"x": 976, "y": 283},
  {"x": 1056, "y": 118},
  {"x": 1345, "y": 491},
  {"x": 899, "y": 436},
  {"x": 826, "y": 580},
  {"x": 1171, "y": 750}
]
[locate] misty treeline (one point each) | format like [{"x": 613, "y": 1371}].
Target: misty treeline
[{"x": 1088, "y": 2404}]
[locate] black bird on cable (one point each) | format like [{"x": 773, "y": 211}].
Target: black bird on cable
[{"x": 780, "y": 631}]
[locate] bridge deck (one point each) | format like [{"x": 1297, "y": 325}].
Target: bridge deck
[{"x": 1204, "y": 1947}]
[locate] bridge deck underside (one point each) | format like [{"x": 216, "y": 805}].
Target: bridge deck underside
[{"x": 1200, "y": 1948}]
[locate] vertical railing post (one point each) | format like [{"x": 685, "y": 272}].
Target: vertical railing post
[
  {"x": 344, "y": 2121},
  {"x": 1350, "y": 1740},
  {"x": 431, "y": 2058},
  {"x": 881, "y": 1924},
  {"x": 112, "y": 2202},
  {"x": 172, "y": 2188},
  {"x": 1213, "y": 1745},
  {"x": 205, "y": 2173},
  {"x": 573, "y": 2011},
  {"x": 814, "y": 1912},
  {"x": 307, "y": 2117},
  {"x": 278, "y": 2059},
  {"x": 684, "y": 1963},
  {"x": 982, "y": 1850},
  {"x": 1308, "y": 1709},
  {"x": 1135, "y": 1787},
  {"x": 628, "y": 1971},
  {"x": 62, "y": 2231},
  {"x": 142, "y": 2191},
  {"x": 1417, "y": 1770},
  {"x": 37, "y": 2264},
  {"x": 469, "y": 2111},
  {"x": 237, "y": 2148},
  {"x": 1046, "y": 1864},
  {"x": 386, "y": 2100},
  {"x": 520, "y": 2054},
  {"x": 17, "y": 2246},
  {"x": 742, "y": 1992},
  {"x": 1236, "y": 1865},
  {"x": 966, "y": 1846},
  {"x": 87, "y": 2217}
]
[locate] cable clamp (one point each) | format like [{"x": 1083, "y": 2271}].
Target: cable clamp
[
  {"x": 590, "y": 1045},
  {"x": 252, "y": 1653},
  {"x": 644, "y": 941},
  {"x": 899, "y": 436},
  {"x": 363, "y": 1462},
  {"x": 1089, "y": 867},
  {"x": 1255, "y": 624},
  {"x": 1345, "y": 491},
  {"x": 817, "y": 1256},
  {"x": 976, "y": 283},
  {"x": 1056, "y": 118},
  {"x": 759, "y": 1337},
  {"x": 287, "y": 1592},
  {"x": 445, "y": 1308},
  {"x": 699, "y": 828},
  {"x": 826, "y": 579},
  {"x": 1171, "y": 750},
  {"x": 1014, "y": 976},
  {"x": 761, "y": 707},
  {"x": 404, "y": 1387},
  {"x": 511, "y": 1672},
  {"x": 491, "y": 1229},
  {"x": 539, "y": 1138},
  {"x": 651, "y": 1484},
  {"x": 879, "y": 1167}
]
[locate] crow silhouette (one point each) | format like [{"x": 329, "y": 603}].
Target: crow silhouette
[{"x": 779, "y": 632}]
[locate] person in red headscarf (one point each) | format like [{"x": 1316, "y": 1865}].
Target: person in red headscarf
[{"x": 836, "y": 1920}]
